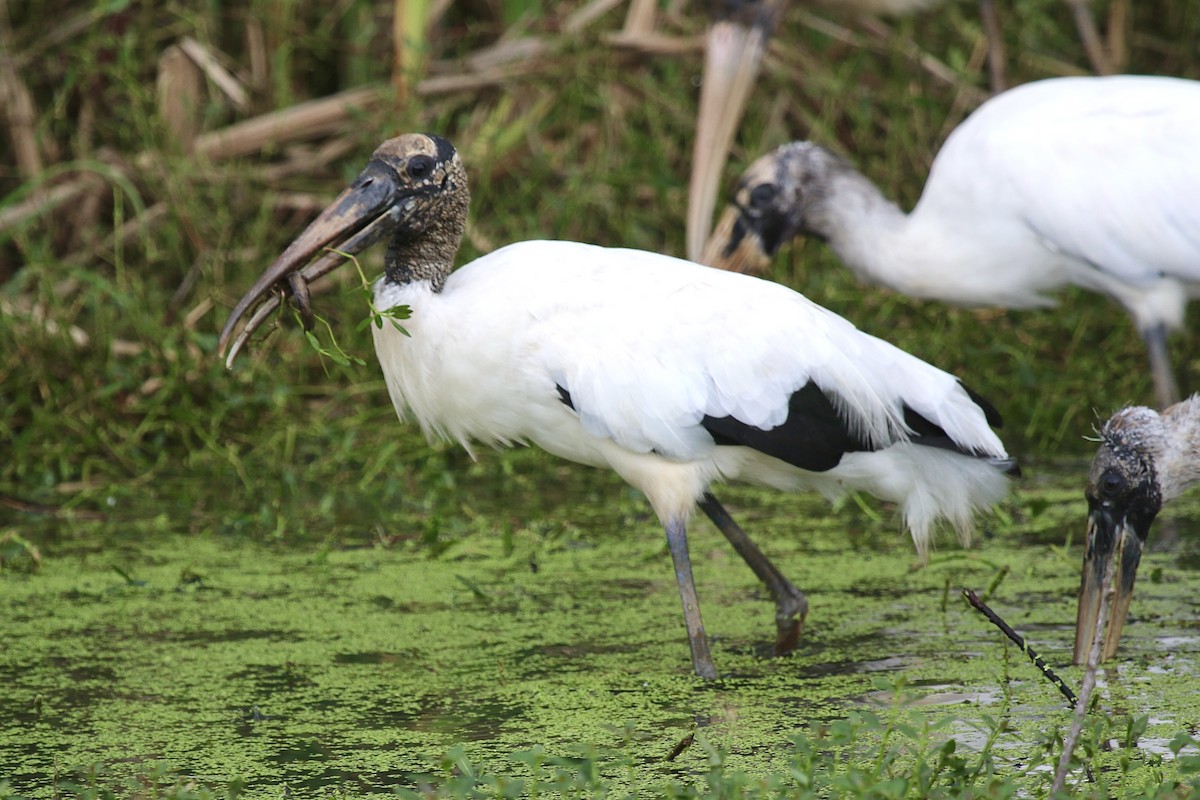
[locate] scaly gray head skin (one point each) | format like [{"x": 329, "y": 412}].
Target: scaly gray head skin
[
  {"x": 1124, "y": 494},
  {"x": 413, "y": 189},
  {"x": 780, "y": 196}
]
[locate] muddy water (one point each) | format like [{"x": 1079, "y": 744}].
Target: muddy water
[{"x": 314, "y": 667}]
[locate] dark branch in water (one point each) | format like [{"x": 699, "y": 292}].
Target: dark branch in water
[{"x": 1019, "y": 641}]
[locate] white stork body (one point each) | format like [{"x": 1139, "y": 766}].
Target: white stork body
[
  {"x": 1092, "y": 182},
  {"x": 672, "y": 374},
  {"x": 646, "y": 346}
]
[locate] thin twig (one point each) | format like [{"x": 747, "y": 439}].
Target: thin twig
[
  {"x": 1019, "y": 641},
  {"x": 1089, "y": 680}
]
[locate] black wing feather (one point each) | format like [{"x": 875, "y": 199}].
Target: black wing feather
[{"x": 814, "y": 436}]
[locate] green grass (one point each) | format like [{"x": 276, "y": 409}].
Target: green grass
[{"x": 121, "y": 430}]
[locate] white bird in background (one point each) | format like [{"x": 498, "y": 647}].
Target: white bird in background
[
  {"x": 672, "y": 374},
  {"x": 737, "y": 43},
  {"x": 1145, "y": 461},
  {"x": 1092, "y": 182}
]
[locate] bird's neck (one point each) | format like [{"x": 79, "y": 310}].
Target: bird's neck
[
  {"x": 1179, "y": 460},
  {"x": 862, "y": 226},
  {"x": 884, "y": 245},
  {"x": 427, "y": 256}
]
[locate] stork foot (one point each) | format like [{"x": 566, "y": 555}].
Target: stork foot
[
  {"x": 791, "y": 606},
  {"x": 790, "y": 612}
]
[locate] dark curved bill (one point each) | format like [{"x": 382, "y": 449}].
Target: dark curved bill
[
  {"x": 355, "y": 220},
  {"x": 1111, "y": 545}
]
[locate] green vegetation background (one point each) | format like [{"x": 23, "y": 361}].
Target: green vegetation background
[{"x": 118, "y": 424}]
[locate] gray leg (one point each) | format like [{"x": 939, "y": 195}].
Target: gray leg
[
  {"x": 677, "y": 542},
  {"x": 791, "y": 606},
  {"x": 1165, "y": 388}
]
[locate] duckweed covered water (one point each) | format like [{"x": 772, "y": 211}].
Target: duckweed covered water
[{"x": 310, "y": 667}]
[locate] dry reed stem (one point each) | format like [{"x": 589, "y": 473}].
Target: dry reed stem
[
  {"x": 45, "y": 201},
  {"x": 656, "y": 44},
  {"x": 180, "y": 89},
  {"x": 579, "y": 19},
  {"x": 639, "y": 19},
  {"x": 883, "y": 37},
  {"x": 211, "y": 66},
  {"x": 1085, "y": 23},
  {"x": 308, "y": 120},
  {"x": 520, "y": 49},
  {"x": 256, "y": 55},
  {"x": 18, "y": 105},
  {"x": 69, "y": 29},
  {"x": 19, "y": 113},
  {"x": 304, "y": 161},
  {"x": 997, "y": 58},
  {"x": 1118, "y": 23}
]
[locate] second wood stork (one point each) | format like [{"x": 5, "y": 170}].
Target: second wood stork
[
  {"x": 672, "y": 374},
  {"x": 1146, "y": 460},
  {"x": 1092, "y": 182},
  {"x": 736, "y": 45}
]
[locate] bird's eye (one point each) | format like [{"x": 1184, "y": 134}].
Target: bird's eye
[
  {"x": 764, "y": 194},
  {"x": 420, "y": 166},
  {"x": 1112, "y": 484}
]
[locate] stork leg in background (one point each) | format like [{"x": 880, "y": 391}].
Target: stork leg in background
[
  {"x": 1166, "y": 390},
  {"x": 702, "y": 659},
  {"x": 791, "y": 606}
]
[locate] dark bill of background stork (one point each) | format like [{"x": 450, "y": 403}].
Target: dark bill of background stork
[
  {"x": 1114, "y": 546},
  {"x": 1145, "y": 459}
]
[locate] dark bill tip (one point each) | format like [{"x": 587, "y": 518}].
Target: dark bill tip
[
  {"x": 351, "y": 223},
  {"x": 1114, "y": 550}
]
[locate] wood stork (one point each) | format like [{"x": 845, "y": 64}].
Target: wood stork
[
  {"x": 733, "y": 55},
  {"x": 736, "y": 46},
  {"x": 672, "y": 374},
  {"x": 1091, "y": 181},
  {"x": 1146, "y": 460}
]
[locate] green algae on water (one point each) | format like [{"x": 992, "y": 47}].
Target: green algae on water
[{"x": 356, "y": 668}]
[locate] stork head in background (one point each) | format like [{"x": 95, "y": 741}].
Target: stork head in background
[
  {"x": 1124, "y": 495},
  {"x": 780, "y": 196}
]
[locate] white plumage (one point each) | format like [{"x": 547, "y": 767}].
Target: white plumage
[
  {"x": 1093, "y": 182},
  {"x": 672, "y": 374},
  {"x": 647, "y": 345}
]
